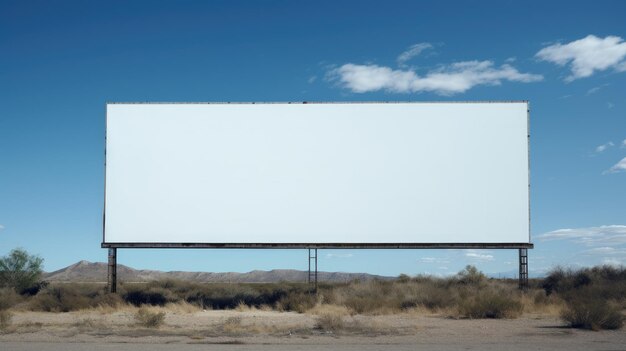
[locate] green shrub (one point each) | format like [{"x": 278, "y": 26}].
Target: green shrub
[
  {"x": 149, "y": 319},
  {"x": 20, "y": 270},
  {"x": 470, "y": 276},
  {"x": 593, "y": 314}
]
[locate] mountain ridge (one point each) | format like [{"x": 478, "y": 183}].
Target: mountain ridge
[{"x": 86, "y": 271}]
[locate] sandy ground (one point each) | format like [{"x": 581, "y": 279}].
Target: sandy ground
[{"x": 238, "y": 330}]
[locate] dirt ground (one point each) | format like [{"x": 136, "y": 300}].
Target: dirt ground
[{"x": 302, "y": 331}]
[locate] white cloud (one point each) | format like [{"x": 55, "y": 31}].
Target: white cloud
[
  {"x": 610, "y": 105},
  {"x": 602, "y": 236},
  {"x": 606, "y": 252},
  {"x": 446, "y": 80},
  {"x": 338, "y": 255},
  {"x": 412, "y": 51},
  {"x": 587, "y": 55},
  {"x": 593, "y": 90},
  {"x": 312, "y": 79},
  {"x": 624, "y": 143},
  {"x": 476, "y": 255},
  {"x": 1, "y": 227},
  {"x": 617, "y": 168},
  {"x": 438, "y": 260},
  {"x": 604, "y": 146}
]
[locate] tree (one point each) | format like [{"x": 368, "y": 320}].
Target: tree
[{"x": 20, "y": 270}]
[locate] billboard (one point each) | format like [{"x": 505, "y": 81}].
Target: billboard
[{"x": 324, "y": 174}]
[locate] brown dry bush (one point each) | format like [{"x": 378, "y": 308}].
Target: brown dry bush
[
  {"x": 490, "y": 304},
  {"x": 593, "y": 314},
  {"x": 72, "y": 297},
  {"x": 9, "y": 298},
  {"x": 149, "y": 319},
  {"x": 5, "y": 319},
  {"x": 332, "y": 322}
]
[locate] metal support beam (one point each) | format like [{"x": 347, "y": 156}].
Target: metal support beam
[
  {"x": 312, "y": 276},
  {"x": 112, "y": 271},
  {"x": 523, "y": 269}
]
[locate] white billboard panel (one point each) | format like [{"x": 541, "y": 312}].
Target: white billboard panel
[{"x": 346, "y": 173}]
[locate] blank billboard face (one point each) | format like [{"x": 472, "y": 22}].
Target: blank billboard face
[{"x": 350, "y": 173}]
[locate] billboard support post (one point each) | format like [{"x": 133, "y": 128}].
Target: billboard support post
[
  {"x": 312, "y": 276},
  {"x": 112, "y": 271},
  {"x": 523, "y": 269}
]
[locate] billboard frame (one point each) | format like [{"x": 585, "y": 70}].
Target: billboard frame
[{"x": 113, "y": 246}]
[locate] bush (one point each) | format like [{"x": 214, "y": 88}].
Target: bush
[
  {"x": 329, "y": 322},
  {"x": 8, "y": 298},
  {"x": 603, "y": 282},
  {"x": 471, "y": 276},
  {"x": 148, "y": 319},
  {"x": 297, "y": 302},
  {"x": 72, "y": 297},
  {"x": 490, "y": 305},
  {"x": 5, "y": 319},
  {"x": 151, "y": 296},
  {"x": 20, "y": 270},
  {"x": 593, "y": 314}
]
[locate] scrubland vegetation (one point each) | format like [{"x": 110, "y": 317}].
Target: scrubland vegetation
[{"x": 591, "y": 298}]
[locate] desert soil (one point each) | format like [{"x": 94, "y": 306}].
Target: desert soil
[{"x": 270, "y": 330}]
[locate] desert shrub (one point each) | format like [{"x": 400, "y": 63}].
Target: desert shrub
[
  {"x": 20, "y": 270},
  {"x": 403, "y": 278},
  {"x": 5, "y": 319},
  {"x": 297, "y": 302},
  {"x": 594, "y": 314},
  {"x": 470, "y": 276},
  {"x": 35, "y": 288},
  {"x": 149, "y": 319},
  {"x": 490, "y": 304},
  {"x": 71, "y": 297},
  {"x": 329, "y": 322},
  {"x": 429, "y": 294},
  {"x": 8, "y": 298},
  {"x": 602, "y": 282},
  {"x": 154, "y": 296},
  {"x": 232, "y": 325}
]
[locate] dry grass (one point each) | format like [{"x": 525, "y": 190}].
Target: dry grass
[
  {"x": 325, "y": 309},
  {"x": 538, "y": 303}
]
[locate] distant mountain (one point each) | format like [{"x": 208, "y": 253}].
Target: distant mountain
[{"x": 85, "y": 271}]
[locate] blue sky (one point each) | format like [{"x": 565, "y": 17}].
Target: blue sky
[{"x": 61, "y": 61}]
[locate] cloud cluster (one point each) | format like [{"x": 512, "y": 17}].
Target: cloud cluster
[
  {"x": 445, "y": 80},
  {"x": 587, "y": 55},
  {"x": 437, "y": 260},
  {"x": 607, "y": 243},
  {"x": 618, "y": 167},
  {"x": 478, "y": 256},
  {"x": 602, "y": 236},
  {"x": 584, "y": 57}
]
